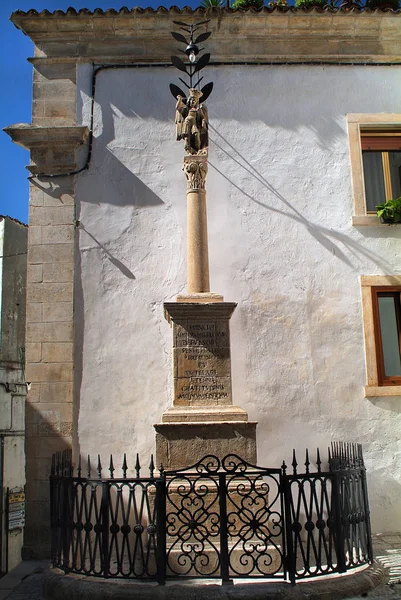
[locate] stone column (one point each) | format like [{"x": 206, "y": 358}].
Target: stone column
[
  {"x": 203, "y": 419},
  {"x": 195, "y": 169}
]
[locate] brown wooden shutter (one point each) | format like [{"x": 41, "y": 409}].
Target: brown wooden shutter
[{"x": 380, "y": 143}]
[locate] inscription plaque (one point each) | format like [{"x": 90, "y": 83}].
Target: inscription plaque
[{"x": 201, "y": 358}]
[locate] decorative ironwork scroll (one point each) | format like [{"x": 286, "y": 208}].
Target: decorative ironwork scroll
[
  {"x": 192, "y": 525},
  {"x": 255, "y": 524},
  {"x": 220, "y": 518},
  {"x": 224, "y": 519}
]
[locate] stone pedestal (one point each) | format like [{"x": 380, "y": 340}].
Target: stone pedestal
[
  {"x": 203, "y": 419},
  {"x": 180, "y": 445}
]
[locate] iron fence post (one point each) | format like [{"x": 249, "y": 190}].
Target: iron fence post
[
  {"x": 224, "y": 558},
  {"x": 104, "y": 511},
  {"x": 367, "y": 514},
  {"x": 160, "y": 502},
  {"x": 59, "y": 491},
  {"x": 289, "y": 558},
  {"x": 66, "y": 522},
  {"x": 338, "y": 520},
  {"x": 53, "y": 545},
  {"x": 62, "y": 521}
]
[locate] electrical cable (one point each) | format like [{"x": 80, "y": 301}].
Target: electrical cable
[{"x": 98, "y": 68}]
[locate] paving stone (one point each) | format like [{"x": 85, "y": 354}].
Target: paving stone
[{"x": 28, "y": 578}]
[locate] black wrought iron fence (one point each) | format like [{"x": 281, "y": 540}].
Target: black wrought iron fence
[{"x": 221, "y": 518}]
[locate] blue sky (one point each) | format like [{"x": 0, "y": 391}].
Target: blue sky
[{"x": 16, "y": 94}]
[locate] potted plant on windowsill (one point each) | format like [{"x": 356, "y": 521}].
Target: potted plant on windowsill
[{"x": 390, "y": 211}]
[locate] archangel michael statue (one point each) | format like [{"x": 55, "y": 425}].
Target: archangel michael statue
[{"x": 191, "y": 119}]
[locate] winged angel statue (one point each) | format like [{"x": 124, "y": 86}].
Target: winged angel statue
[
  {"x": 191, "y": 121},
  {"x": 191, "y": 116}
]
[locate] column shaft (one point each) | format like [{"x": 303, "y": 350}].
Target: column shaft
[{"x": 197, "y": 245}]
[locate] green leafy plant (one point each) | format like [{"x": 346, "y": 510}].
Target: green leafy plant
[
  {"x": 277, "y": 3},
  {"x": 248, "y": 3},
  {"x": 212, "y": 3},
  {"x": 311, "y": 3},
  {"x": 390, "y": 211}
]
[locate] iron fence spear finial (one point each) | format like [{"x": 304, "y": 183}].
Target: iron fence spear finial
[
  {"x": 111, "y": 467},
  {"x": 124, "y": 468},
  {"x": 137, "y": 466},
  {"x": 307, "y": 462},
  {"x": 151, "y": 466},
  {"x": 294, "y": 462},
  {"x": 318, "y": 461}
]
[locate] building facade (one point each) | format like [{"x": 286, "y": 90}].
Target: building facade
[
  {"x": 293, "y": 235},
  {"x": 13, "y": 247}
]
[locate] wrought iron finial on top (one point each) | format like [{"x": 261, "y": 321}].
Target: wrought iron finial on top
[{"x": 191, "y": 117}]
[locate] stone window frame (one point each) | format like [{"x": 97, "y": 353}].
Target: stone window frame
[
  {"x": 355, "y": 122},
  {"x": 367, "y": 283}
]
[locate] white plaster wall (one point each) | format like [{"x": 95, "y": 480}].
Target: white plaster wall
[
  {"x": 281, "y": 245},
  {"x": 14, "y": 480}
]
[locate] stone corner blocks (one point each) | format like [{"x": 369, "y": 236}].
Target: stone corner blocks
[{"x": 52, "y": 148}]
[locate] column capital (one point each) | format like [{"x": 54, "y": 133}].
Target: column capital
[{"x": 195, "y": 169}]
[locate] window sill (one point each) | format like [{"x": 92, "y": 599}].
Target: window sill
[
  {"x": 370, "y": 220},
  {"x": 383, "y": 390}
]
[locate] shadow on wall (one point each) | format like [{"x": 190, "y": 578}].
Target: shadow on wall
[
  {"x": 388, "y": 403},
  {"x": 328, "y": 238},
  {"x": 58, "y": 188},
  {"x": 123, "y": 188},
  {"x": 118, "y": 185},
  {"x": 294, "y": 86},
  {"x": 279, "y": 96},
  {"x": 114, "y": 261},
  {"x": 383, "y": 505},
  {"x": 46, "y": 433}
]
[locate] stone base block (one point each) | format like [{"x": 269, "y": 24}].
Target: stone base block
[
  {"x": 200, "y": 414},
  {"x": 203, "y": 297},
  {"x": 179, "y": 445}
]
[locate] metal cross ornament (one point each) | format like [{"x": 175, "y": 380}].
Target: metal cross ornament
[{"x": 191, "y": 117}]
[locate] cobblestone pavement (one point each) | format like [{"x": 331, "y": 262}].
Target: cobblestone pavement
[
  {"x": 386, "y": 547},
  {"x": 29, "y": 589}
]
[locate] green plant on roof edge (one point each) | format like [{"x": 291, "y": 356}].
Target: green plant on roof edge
[
  {"x": 311, "y": 3},
  {"x": 248, "y": 4},
  {"x": 390, "y": 211},
  {"x": 277, "y": 3},
  {"x": 212, "y": 3}
]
